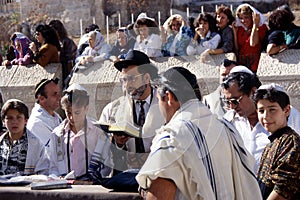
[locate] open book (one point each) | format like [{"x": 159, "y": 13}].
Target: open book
[{"x": 120, "y": 128}]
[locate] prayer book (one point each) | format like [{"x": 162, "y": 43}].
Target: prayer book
[
  {"x": 125, "y": 128},
  {"x": 55, "y": 184}
]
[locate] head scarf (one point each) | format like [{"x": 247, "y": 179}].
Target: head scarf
[
  {"x": 263, "y": 19},
  {"x": 99, "y": 42},
  {"x": 24, "y": 41}
]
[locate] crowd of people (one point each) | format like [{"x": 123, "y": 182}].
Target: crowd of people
[{"x": 242, "y": 141}]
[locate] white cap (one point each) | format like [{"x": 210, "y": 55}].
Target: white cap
[
  {"x": 240, "y": 68},
  {"x": 272, "y": 86},
  {"x": 75, "y": 86}
]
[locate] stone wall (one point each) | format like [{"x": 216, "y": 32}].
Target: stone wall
[
  {"x": 102, "y": 80},
  {"x": 68, "y": 11}
]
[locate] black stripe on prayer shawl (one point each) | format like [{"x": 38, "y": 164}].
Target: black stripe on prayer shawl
[
  {"x": 240, "y": 151},
  {"x": 199, "y": 138},
  {"x": 163, "y": 148}
]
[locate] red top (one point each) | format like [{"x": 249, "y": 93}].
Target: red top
[{"x": 247, "y": 55}]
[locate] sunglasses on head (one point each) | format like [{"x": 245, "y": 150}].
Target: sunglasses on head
[{"x": 233, "y": 100}]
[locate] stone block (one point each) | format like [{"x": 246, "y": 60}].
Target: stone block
[{"x": 18, "y": 82}]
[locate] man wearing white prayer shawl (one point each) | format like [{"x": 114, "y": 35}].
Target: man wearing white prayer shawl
[{"x": 194, "y": 155}]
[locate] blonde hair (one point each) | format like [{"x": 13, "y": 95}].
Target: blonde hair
[{"x": 244, "y": 10}]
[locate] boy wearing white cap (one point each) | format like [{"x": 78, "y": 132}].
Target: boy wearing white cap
[
  {"x": 279, "y": 169},
  {"x": 77, "y": 144}
]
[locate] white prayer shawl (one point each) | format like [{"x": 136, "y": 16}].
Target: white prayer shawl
[
  {"x": 41, "y": 123},
  {"x": 294, "y": 120},
  {"x": 201, "y": 161},
  {"x": 120, "y": 110}
]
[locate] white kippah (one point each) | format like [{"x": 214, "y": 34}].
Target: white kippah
[
  {"x": 241, "y": 68},
  {"x": 75, "y": 86},
  {"x": 272, "y": 86}
]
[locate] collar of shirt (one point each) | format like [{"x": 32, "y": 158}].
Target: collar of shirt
[
  {"x": 79, "y": 133},
  {"x": 279, "y": 133},
  {"x": 146, "y": 105}
]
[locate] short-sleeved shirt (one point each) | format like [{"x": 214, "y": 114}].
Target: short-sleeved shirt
[
  {"x": 249, "y": 56},
  {"x": 13, "y": 156},
  {"x": 276, "y": 37},
  {"x": 280, "y": 167}
]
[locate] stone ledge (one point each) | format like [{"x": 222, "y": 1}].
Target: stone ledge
[
  {"x": 102, "y": 80},
  {"x": 19, "y": 81}
]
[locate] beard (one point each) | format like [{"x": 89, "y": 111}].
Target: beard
[{"x": 136, "y": 93}]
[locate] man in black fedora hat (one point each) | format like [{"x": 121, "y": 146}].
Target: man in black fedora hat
[{"x": 138, "y": 106}]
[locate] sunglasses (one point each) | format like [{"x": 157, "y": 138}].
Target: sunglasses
[
  {"x": 233, "y": 101},
  {"x": 130, "y": 78}
]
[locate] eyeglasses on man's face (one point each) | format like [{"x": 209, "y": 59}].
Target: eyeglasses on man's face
[
  {"x": 130, "y": 78},
  {"x": 233, "y": 100}
]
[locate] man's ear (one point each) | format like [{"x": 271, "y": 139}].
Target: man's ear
[
  {"x": 252, "y": 91},
  {"x": 41, "y": 98},
  {"x": 147, "y": 77},
  {"x": 169, "y": 98},
  {"x": 287, "y": 110}
]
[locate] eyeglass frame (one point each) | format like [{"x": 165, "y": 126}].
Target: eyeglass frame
[
  {"x": 233, "y": 101},
  {"x": 133, "y": 78}
]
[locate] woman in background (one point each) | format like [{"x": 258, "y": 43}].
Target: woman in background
[
  {"x": 206, "y": 36},
  {"x": 249, "y": 31},
  {"x": 148, "y": 40},
  {"x": 96, "y": 51},
  {"x": 23, "y": 55},
  {"x": 50, "y": 46},
  {"x": 175, "y": 38},
  {"x": 68, "y": 50},
  {"x": 224, "y": 20}
]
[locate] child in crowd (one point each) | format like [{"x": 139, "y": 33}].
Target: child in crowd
[
  {"x": 279, "y": 170},
  {"x": 77, "y": 144},
  {"x": 20, "y": 150}
]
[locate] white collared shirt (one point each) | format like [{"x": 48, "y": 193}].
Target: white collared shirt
[{"x": 254, "y": 139}]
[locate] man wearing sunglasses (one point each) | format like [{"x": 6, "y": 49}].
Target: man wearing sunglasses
[
  {"x": 136, "y": 72},
  {"x": 238, "y": 88}
]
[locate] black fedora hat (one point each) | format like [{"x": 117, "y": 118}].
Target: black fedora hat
[
  {"x": 228, "y": 62},
  {"x": 139, "y": 59},
  {"x": 133, "y": 57}
]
